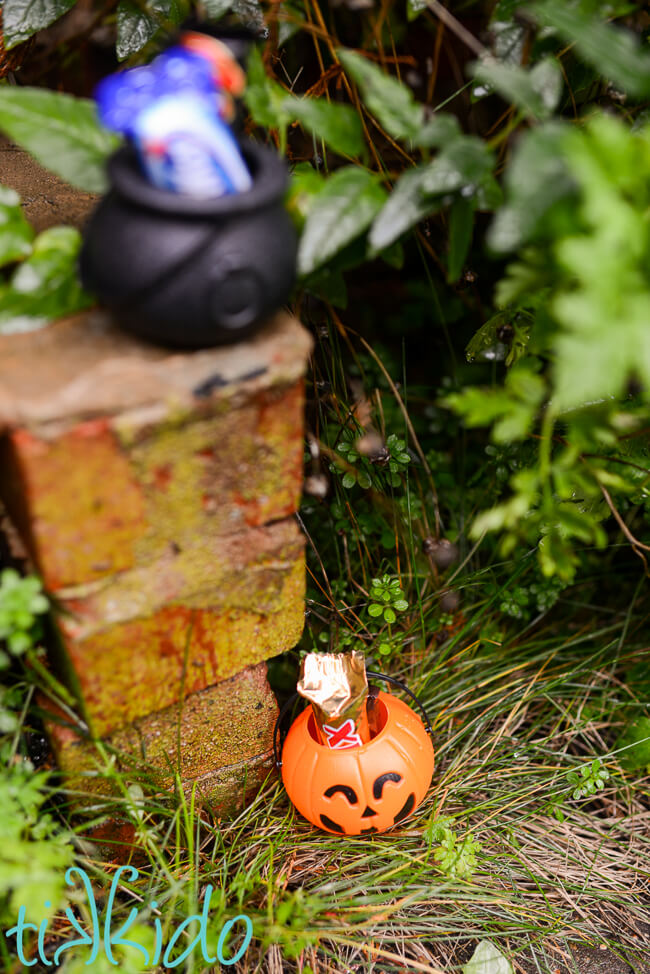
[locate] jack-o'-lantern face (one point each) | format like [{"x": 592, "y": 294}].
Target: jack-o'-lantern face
[
  {"x": 384, "y": 799},
  {"x": 365, "y": 789}
]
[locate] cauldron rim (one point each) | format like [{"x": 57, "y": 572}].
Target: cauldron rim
[{"x": 269, "y": 173}]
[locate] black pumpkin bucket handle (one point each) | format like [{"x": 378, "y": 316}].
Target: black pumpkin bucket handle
[{"x": 279, "y": 738}]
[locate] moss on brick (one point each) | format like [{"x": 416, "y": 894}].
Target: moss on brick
[
  {"x": 84, "y": 505},
  {"x": 218, "y": 740},
  {"x": 240, "y": 467},
  {"x": 140, "y": 641},
  {"x": 131, "y": 669},
  {"x": 91, "y": 509}
]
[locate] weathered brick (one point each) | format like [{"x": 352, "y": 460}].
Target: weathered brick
[
  {"x": 84, "y": 507},
  {"x": 117, "y": 450},
  {"x": 154, "y": 491},
  {"x": 217, "y": 741},
  {"x": 135, "y": 643},
  {"x": 239, "y": 468}
]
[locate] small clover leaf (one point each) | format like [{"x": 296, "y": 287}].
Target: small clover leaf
[
  {"x": 592, "y": 778},
  {"x": 358, "y": 475},
  {"x": 387, "y": 599},
  {"x": 347, "y": 450}
]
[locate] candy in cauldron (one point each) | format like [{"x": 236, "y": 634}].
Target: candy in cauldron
[{"x": 191, "y": 272}]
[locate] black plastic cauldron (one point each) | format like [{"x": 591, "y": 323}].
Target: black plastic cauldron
[{"x": 191, "y": 272}]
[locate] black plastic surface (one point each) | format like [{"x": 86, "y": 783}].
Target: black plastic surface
[{"x": 188, "y": 272}]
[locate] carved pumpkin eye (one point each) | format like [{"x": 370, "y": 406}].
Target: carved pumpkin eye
[
  {"x": 378, "y": 786},
  {"x": 349, "y": 793},
  {"x": 351, "y": 796}
]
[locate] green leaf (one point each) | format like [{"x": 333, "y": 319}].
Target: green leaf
[
  {"x": 511, "y": 409},
  {"x": 487, "y": 959},
  {"x": 19, "y": 642},
  {"x": 349, "y": 480},
  {"x": 406, "y": 206},
  {"x": 591, "y": 361},
  {"x": 437, "y": 132},
  {"x": 601, "y": 260},
  {"x": 306, "y": 184},
  {"x": 556, "y": 556},
  {"x": 265, "y": 98},
  {"x": 504, "y": 516},
  {"x": 460, "y": 166},
  {"x": 34, "y": 856},
  {"x": 461, "y": 225},
  {"x": 389, "y": 100},
  {"x": 536, "y": 180},
  {"x": 341, "y": 212},
  {"x": 291, "y": 20},
  {"x": 137, "y": 24},
  {"x": 246, "y": 12},
  {"x": 45, "y": 286},
  {"x": 394, "y": 255},
  {"x": 486, "y": 345},
  {"x": 438, "y": 828},
  {"x": 339, "y": 125},
  {"x": 576, "y": 524},
  {"x": 537, "y": 92},
  {"x": 22, "y": 18},
  {"x": 401, "y": 605},
  {"x": 215, "y": 9},
  {"x": 16, "y": 234},
  {"x": 414, "y": 8},
  {"x": 489, "y": 195},
  {"x": 612, "y": 51},
  {"x": 635, "y": 742},
  {"x": 389, "y": 615},
  {"x": 60, "y": 131},
  {"x": 363, "y": 479},
  {"x": 375, "y": 610}
]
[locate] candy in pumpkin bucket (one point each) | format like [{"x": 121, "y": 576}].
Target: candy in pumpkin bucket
[{"x": 355, "y": 761}]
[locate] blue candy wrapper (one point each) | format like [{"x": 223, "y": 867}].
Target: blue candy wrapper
[
  {"x": 121, "y": 97},
  {"x": 185, "y": 148},
  {"x": 173, "y": 110}
]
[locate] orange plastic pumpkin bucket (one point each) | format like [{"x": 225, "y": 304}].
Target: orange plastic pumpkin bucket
[{"x": 364, "y": 789}]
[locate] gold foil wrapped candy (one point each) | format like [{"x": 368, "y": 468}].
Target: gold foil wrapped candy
[{"x": 337, "y": 687}]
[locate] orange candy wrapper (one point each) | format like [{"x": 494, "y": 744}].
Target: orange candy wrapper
[{"x": 337, "y": 688}]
